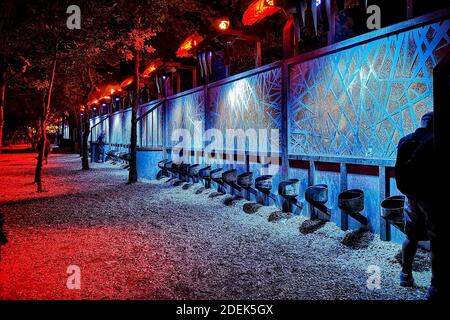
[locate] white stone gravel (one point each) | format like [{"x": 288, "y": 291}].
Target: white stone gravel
[{"x": 151, "y": 240}]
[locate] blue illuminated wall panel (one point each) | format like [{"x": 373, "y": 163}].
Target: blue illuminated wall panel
[
  {"x": 250, "y": 103},
  {"x": 102, "y": 127},
  {"x": 126, "y": 131},
  {"x": 253, "y": 102},
  {"x": 150, "y": 128},
  {"x": 187, "y": 112},
  {"x": 116, "y": 127},
  {"x": 360, "y": 101}
]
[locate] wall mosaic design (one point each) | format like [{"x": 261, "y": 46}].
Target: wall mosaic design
[
  {"x": 150, "y": 128},
  {"x": 116, "y": 125},
  {"x": 187, "y": 112},
  {"x": 102, "y": 127},
  {"x": 250, "y": 103},
  {"x": 359, "y": 102}
]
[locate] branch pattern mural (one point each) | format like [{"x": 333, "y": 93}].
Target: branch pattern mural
[{"x": 359, "y": 102}]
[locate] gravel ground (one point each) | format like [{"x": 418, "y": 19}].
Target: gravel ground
[{"x": 152, "y": 240}]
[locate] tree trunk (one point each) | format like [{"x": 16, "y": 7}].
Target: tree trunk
[
  {"x": 2, "y": 111},
  {"x": 40, "y": 159},
  {"x": 74, "y": 130},
  {"x": 86, "y": 125},
  {"x": 86, "y": 131},
  {"x": 132, "y": 178},
  {"x": 43, "y": 138},
  {"x": 2, "y": 97},
  {"x": 79, "y": 132}
]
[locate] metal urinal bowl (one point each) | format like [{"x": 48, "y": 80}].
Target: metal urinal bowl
[
  {"x": 204, "y": 173},
  {"x": 264, "y": 183},
  {"x": 289, "y": 188},
  {"x": 351, "y": 200},
  {"x": 245, "y": 180},
  {"x": 317, "y": 194},
  {"x": 392, "y": 208},
  {"x": 184, "y": 167},
  {"x": 175, "y": 167},
  {"x": 168, "y": 166},
  {"x": 216, "y": 175},
  {"x": 161, "y": 164},
  {"x": 230, "y": 176},
  {"x": 193, "y": 170}
]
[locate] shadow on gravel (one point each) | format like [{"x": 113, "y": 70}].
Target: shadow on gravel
[
  {"x": 358, "y": 239},
  {"x": 311, "y": 226},
  {"x": 251, "y": 207}
]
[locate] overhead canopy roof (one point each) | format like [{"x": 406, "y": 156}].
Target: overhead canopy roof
[
  {"x": 258, "y": 10},
  {"x": 188, "y": 44}
]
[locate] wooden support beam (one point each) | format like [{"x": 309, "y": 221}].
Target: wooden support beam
[
  {"x": 284, "y": 121},
  {"x": 311, "y": 181},
  {"x": 289, "y": 38},
  {"x": 164, "y": 129},
  {"x": 332, "y": 20},
  {"x": 194, "y": 77},
  {"x": 384, "y": 185},
  {"x": 258, "y": 54},
  {"x": 409, "y": 9},
  {"x": 343, "y": 187}
]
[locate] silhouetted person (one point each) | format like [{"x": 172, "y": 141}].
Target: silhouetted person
[
  {"x": 100, "y": 146},
  {"x": 414, "y": 176}
]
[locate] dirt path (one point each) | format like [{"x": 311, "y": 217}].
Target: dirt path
[{"x": 156, "y": 241}]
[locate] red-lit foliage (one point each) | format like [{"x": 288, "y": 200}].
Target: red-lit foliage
[{"x": 258, "y": 10}]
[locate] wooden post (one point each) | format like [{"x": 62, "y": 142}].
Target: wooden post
[
  {"x": 207, "y": 123},
  {"x": 311, "y": 181},
  {"x": 332, "y": 21},
  {"x": 164, "y": 128},
  {"x": 258, "y": 54},
  {"x": 409, "y": 9},
  {"x": 284, "y": 135},
  {"x": 441, "y": 99},
  {"x": 194, "y": 77},
  {"x": 343, "y": 187},
  {"x": 385, "y": 226},
  {"x": 178, "y": 80},
  {"x": 289, "y": 38}
]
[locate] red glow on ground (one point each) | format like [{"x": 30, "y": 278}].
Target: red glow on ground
[{"x": 45, "y": 236}]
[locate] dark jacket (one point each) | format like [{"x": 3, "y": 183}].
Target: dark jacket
[{"x": 423, "y": 176}]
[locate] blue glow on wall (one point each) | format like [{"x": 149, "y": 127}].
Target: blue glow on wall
[
  {"x": 359, "y": 102},
  {"x": 187, "y": 112},
  {"x": 250, "y": 103}
]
